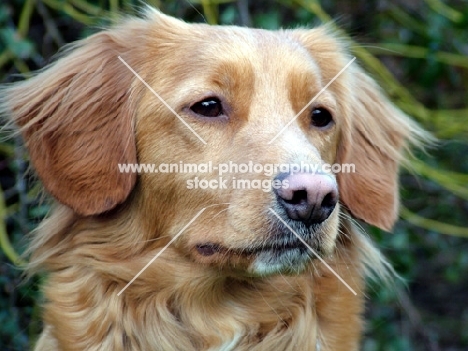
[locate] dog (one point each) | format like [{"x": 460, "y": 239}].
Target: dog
[{"x": 141, "y": 261}]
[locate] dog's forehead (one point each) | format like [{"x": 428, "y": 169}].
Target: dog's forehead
[
  {"x": 229, "y": 56},
  {"x": 203, "y": 45},
  {"x": 263, "y": 48}
]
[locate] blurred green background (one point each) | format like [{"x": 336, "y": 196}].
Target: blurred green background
[{"x": 416, "y": 49}]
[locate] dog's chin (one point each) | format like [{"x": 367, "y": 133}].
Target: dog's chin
[{"x": 288, "y": 260}]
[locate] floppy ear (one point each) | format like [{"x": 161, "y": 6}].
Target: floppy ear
[
  {"x": 77, "y": 119},
  {"x": 375, "y": 134},
  {"x": 375, "y": 137}
]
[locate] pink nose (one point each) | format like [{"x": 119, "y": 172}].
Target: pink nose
[{"x": 306, "y": 197}]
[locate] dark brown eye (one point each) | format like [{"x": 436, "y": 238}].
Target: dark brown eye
[
  {"x": 321, "y": 117},
  {"x": 210, "y": 107}
]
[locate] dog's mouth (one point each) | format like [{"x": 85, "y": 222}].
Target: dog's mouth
[
  {"x": 210, "y": 249},
  {"x": 281, "y": 241},
  {"x": 272, "y": 258}
]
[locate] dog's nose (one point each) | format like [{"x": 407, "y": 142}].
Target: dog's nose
[{"x": 307, "y": 197}]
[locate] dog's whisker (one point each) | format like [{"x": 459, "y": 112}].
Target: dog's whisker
[
  {"x": 217, "y": 214},
  {"x": 154, "y": 239},
  {"x": 218, "y": 204}
]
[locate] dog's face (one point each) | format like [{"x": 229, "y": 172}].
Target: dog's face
[
  {"x": 252, "y": 96},
  {"x": 237, "y": 93}
]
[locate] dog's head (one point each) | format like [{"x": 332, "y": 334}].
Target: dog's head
[{"x": 160, "y": 91}]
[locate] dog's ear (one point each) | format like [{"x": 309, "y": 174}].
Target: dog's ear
[
  {"x": 375, "y": 137},
  {"x": 374, "y": 134},
  {"x": 76, "y": 117}
]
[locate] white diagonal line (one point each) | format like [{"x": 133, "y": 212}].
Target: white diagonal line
[
  {"x": 162, "y": 250},
  {"x": 312, "y": 250},
  {"x": 161, "y": 99},
  {"x": 313, "y": 99}
]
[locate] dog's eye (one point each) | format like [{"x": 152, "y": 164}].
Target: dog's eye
[
  {"x": 210, "y": 107},
  {"x": 321, "y": 117}
]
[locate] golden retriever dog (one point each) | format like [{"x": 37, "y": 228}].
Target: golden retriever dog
[{"x": 141, "y": 261}]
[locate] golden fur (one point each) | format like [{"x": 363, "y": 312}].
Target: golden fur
[{"x": 87, "y": 112}]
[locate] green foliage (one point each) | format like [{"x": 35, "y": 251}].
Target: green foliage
[{"x": 416, "y": 50}]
